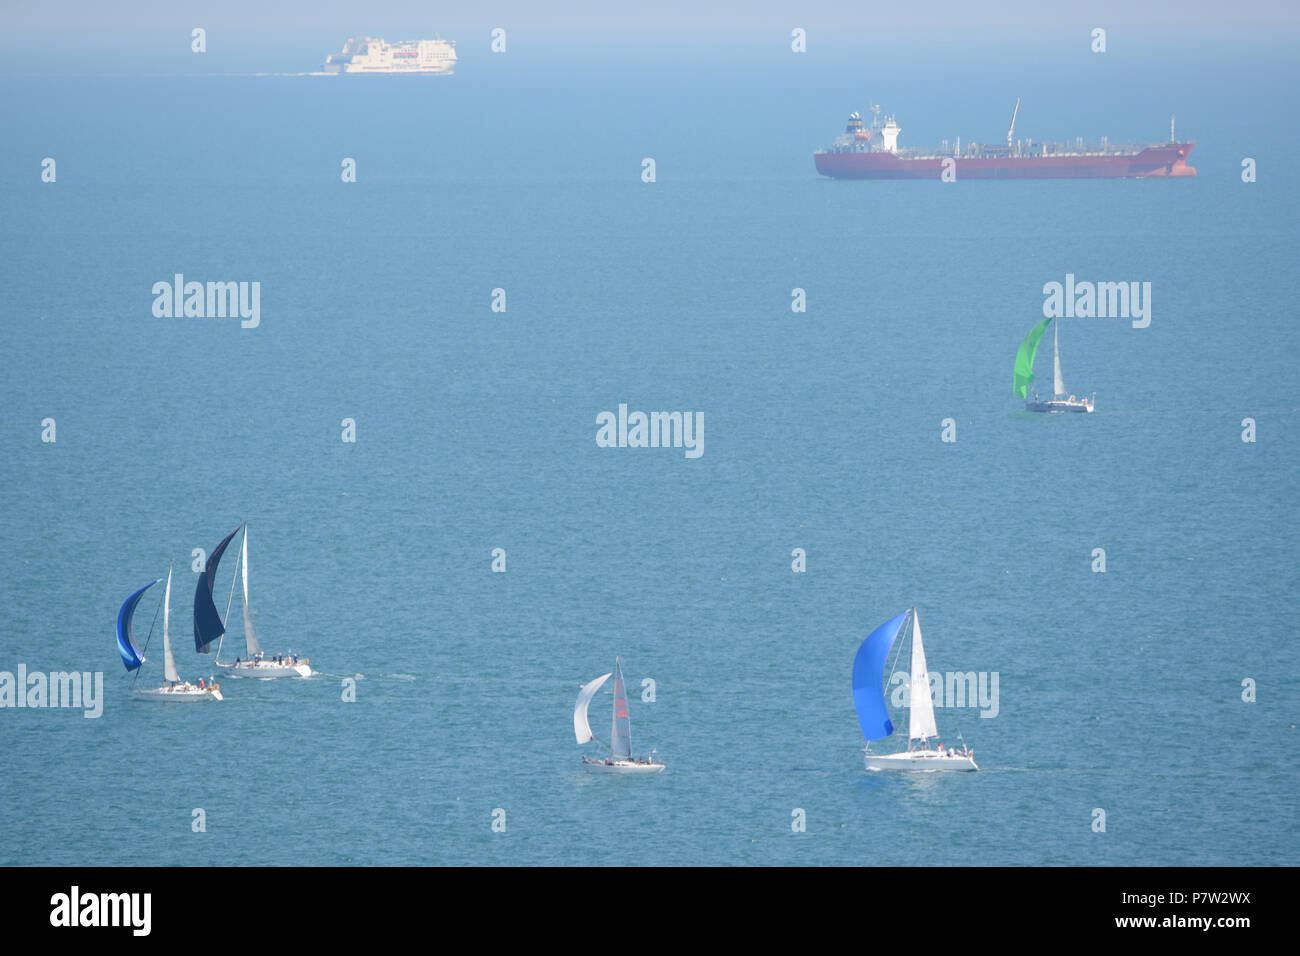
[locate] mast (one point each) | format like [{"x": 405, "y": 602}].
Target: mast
[
  {"x": 229, "y": 601},
  {"x": 169, "y": 662},
  {"x": 250, "y": 639},
  {"x": 1059, "y": 383},
  {"x": 1012, "y": 130},
  {"x": 920, "y": 708},
  {"x": 620, "y": 735}
]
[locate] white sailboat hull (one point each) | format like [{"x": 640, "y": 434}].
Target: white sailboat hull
[
  {"x": 921, "y": 761},
  {"x": 1060, "y": 405},
  {"x": 181, "y": 693},
  {"x": 621, "y": 766},
  {"x": 264, "y": 669}
]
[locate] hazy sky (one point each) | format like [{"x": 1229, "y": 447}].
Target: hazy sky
[{"x": 621, "y": 15}]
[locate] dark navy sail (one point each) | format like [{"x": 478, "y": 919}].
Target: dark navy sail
[
  {"x": 869, "y": 679},
  {"x": 208, "y": 625},
  {"x": 131, "y": 655}
]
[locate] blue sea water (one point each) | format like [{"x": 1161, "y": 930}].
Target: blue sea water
[{"x": 475, "y": 430}]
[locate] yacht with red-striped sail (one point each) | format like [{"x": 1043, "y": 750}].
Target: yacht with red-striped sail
[{"x": 620, "y": 759}]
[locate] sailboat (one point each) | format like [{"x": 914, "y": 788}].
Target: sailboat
[
  {"x": 210, "y": 625},
  {"x": 133, "y": 657},
  {"x": 1061, "y": 401},
  {"x": 869, "y": 699},
  {"x": 620, "y": 758}
]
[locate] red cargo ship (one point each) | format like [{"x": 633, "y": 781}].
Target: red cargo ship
[{"x": 862, "y": 153}]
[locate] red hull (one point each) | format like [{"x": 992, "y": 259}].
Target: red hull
[{"x": 1154, "y": 161}]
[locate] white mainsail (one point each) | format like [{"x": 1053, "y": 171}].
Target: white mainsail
[
  {"x": 1059, "y": 383},
  {"x": 920, "y": 710},
  {"x": 582, "y": 729},
  {"x": 250, "y": 639},
  {"x": 169, "y": 663}
]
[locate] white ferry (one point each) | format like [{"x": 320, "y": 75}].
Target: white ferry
[{"x": 436, "y": 57}]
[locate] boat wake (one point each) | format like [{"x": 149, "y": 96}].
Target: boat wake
[
  {"x": 401, "y": 678},
  {"x": 310, "y": 73}
]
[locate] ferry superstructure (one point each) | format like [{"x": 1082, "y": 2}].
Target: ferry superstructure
[{"x": 436, "y": 57}]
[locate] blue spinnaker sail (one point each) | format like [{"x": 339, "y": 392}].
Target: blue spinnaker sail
[
  {"x": 131, "y": 655},
  {"x": 208, "y": 625},
  {"x": 869, "y": 679}
]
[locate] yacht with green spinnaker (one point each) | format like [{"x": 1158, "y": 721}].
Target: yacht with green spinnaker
[{"x": 1061, "y": 401}]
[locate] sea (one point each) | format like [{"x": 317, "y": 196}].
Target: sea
[{"x": 418, "y": 401}]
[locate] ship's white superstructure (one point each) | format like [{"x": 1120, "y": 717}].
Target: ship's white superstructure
[{"x": 372, "y": 55}]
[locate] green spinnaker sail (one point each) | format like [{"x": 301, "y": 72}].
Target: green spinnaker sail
[{"x": 1024, "y": 373}]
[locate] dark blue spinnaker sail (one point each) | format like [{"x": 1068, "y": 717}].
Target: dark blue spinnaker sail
[
  {"x": 869, "y": 679},
  {"x": 208, "y": 625},
  {"x": 126, "y": 646}
]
